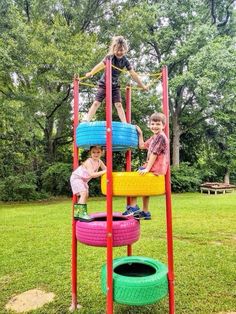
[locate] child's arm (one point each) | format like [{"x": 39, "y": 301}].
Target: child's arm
[
  {"x": 135, "y": 76},
  {"x": 140, "y": 138},
  {"x": 150, "y": 163},
  {"x": 103, "y": 166},
  {"x": 92, "y": 173},
  {"x": 100, "y": 66},
  {"x": 98, "y": 173}
]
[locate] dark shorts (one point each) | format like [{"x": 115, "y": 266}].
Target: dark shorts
[{"x": 101, "y": 94}]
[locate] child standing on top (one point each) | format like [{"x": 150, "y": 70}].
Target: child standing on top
[
  {"x": 157, "y": 161},
  {"x": 80, "y": 178},
  {"x": 117, "y": 52}
]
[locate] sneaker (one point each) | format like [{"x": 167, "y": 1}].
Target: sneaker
[
  {"x": 142, "y": 215},
  {"x": 131, "y": 210}
]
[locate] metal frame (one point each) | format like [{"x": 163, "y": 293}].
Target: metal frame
[{"x": 169, "y": 233}]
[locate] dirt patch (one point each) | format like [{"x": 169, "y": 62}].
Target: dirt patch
[
  {"x": 227, "y": 313},
  {"x": 29, "y": 300}
]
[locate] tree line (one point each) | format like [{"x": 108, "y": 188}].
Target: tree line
[{"x": 44, "y": 43}]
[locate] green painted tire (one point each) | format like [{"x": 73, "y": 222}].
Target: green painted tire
[{"x": 137, "y": 280}]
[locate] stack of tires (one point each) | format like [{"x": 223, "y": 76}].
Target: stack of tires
[{"x": 136, "y": 280}]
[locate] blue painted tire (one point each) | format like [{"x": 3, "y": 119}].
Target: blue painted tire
[{"x": 124, "y": 135}]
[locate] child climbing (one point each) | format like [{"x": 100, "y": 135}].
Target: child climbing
[
  {"x": 117, "y": 52},
  {"x": 157, "y": 161},
  {"x": 80, "y": 178}
]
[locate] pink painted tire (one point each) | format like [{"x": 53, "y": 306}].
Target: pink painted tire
[{"x": 125, "y": 230}]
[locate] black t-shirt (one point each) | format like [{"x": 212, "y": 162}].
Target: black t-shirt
[{"x": 119, "y": 63}]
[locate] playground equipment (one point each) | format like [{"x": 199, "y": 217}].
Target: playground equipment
[
  {"x": 94, "y": 133},
  {"x": 131, "y": 183},
  {"x": 137, "y": 280},
  {"x": 125, "y": 231},
  {"x": 151, "y": 280}
]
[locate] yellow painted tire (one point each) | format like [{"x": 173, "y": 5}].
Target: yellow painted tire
[{"x": 134, "y": 184}]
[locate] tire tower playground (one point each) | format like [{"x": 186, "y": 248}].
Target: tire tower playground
[{"x": 131, "y": 280}]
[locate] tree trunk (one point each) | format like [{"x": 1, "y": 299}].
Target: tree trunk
[
  {"x": 226, "y": 177},
  {"x": 49, "y": 140},
  {"x": 176, "y": 141}
]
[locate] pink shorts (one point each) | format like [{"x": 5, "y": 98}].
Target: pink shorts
[{"x": 78, "y": 185}]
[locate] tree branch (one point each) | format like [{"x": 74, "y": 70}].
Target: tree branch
[
  {"x": 188, "y": 101},
  {"x": 214, "y": 17},
  {"x": 40, "y": 125},
  {"x": 60, "y": 103},
  {"x": 212, "y": 4},
  {"x": 27, "y": 10}
]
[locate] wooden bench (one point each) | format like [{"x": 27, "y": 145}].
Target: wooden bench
[{"x": 216, "y": 187}]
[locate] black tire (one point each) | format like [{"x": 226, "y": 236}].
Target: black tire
[{"x": 137, "y": 280}]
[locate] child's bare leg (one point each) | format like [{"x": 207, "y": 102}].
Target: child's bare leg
[
  {"x": 133, "y": 201},
  {"x": 83, "y": 197},
  {"x": 145, "y": 203},
  {"x": 92, "y": 110},
  {"x": 120, "y": 112}
]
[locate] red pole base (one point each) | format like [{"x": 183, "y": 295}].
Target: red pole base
[
  {"x": 129, "y": 250},
  {"x": 74, "y": 306},
  {"x": 171, "y": 297}
]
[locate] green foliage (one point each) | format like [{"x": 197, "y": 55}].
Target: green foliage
[
  {"x": 55, "y": 180},
  {"x": 185, "y": 178},
  {"x": 19, "y": 188},
  {"x": 95, "y": 187},
  {"x": 43, "y": 43}
]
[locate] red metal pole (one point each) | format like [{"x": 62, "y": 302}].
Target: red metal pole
[
  {"x": 128, "y": 118},
  {"x": 128, "y": 153},
  {"x": 74, "y": 200},
  {"x": 165, "y": 106},
  {"x": 109, "y": 187}
]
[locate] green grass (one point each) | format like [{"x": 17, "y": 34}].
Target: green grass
[{"x": 35, "y": 250}]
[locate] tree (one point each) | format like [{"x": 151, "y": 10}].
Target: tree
[
  {"x": 172, "y": 33},
  {"x": 38, "y": 65}
]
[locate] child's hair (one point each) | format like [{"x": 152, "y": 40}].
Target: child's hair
[
  {"x": 118, "y": 42},
  {"x": 95, "y": 146},
  {"x": 158, "y": 116}
]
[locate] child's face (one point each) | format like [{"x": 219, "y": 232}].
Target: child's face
[
  {"x": 96, "y": 153},
  {"x": 156, "y": 126},
  {"x": 119, "y": 52}
]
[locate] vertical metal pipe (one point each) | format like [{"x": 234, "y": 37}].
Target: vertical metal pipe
[
  {"x": 74, "y": 200},
  {"x": 128, "y": 153},
  {"x": 128, "y": 118},
  {"x": 109, "y": 186},
  {"x": 165, "y": 105}
]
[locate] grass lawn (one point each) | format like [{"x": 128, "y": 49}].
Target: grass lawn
[{"x": 35, "y": 250}]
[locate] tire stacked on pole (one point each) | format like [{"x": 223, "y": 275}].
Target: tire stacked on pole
[{"x": 133, "y": 280}]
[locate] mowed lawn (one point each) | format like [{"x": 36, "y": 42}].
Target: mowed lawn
[{"x": 35, "y": 250}]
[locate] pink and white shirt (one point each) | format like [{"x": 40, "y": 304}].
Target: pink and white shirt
[{"x": 82, "y": 173}]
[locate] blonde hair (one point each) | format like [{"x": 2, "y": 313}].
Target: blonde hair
[
  {"x": 158, "y": 116},
  {"x": 118, "y": 42}
]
